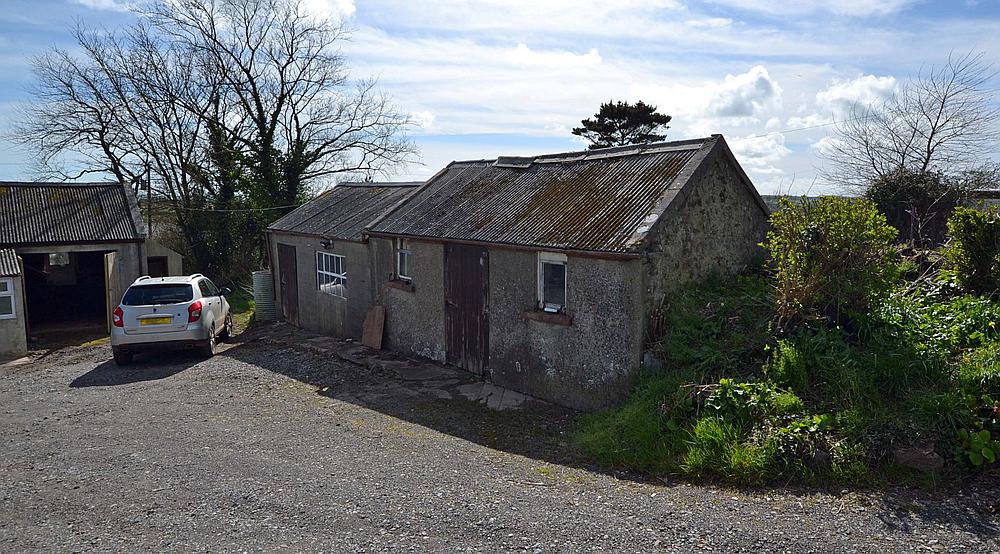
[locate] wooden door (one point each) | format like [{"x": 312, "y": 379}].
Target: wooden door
[
  {"x": 288, "y": 280},
  {"x": 112, "y": 286},
  {"x": 467, "y": 327}
]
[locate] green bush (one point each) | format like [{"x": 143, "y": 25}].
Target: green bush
[
  {"x": 917, "y": 204},
  {"x": 831, "y": 257},
  {"x": 979, "y": 370},
  {"x": 974, "y": 250}
]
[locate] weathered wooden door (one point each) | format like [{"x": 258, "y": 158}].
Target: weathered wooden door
[
  {"x": 112, "y": 286},
  {"x": 466, "y": 294},
  {"x": 288, "y": 280}
]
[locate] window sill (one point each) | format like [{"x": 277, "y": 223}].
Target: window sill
[
  {"x": 546, "y": 317},
  {"x": 401, "y": 285}
]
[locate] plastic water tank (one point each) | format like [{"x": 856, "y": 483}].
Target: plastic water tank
[{"x": 263, "y": 296}]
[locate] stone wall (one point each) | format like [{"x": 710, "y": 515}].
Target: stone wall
[
  {"x": 414, "y": 315},
  {"x": 585, "y": 365},
  {"x": 713, "y": 226}
]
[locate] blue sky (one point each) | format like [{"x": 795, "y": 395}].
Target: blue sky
[{"x": 512, "y": 78}]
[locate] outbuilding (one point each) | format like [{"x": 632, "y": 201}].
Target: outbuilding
[
  {"x": 77, "y": 245},
  {"x": 545, "y": 274},
  {"x": 13, "y": 333},
  {"x": 320, "y": 258}
]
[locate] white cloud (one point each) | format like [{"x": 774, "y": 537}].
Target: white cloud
[
  {"x": 113, "y": 5},
  {"x": 811, "y": 120},
  {"x": 866, "y": 89},
  {"x": 524, "y": 56},
  {"x": 759, "y": 154},
  {"x": 709, "y": 22},
  {"x": 424, "y": 119},
  {"x": 853, "y": 8},
  {"x": 825, "y": 145},
  {"x": 740, "y": 97},
  {"x": 335, "y": 10}
]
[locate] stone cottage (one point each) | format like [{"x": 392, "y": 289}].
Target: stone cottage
[
  {"x": 320, "y": 258},
  {"x": 543, "y": 273}
]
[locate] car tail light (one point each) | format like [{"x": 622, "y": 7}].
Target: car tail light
[
  {"x": 194, "y": 311},
  {"x": 117, "y": 317}
]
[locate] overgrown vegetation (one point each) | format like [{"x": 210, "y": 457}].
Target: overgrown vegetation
[{"x": 833, "y": 365}]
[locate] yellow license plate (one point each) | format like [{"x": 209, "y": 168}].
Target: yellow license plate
[{"x": 155, "y": 321}]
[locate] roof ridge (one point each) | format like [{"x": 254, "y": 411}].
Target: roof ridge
[
  {"x": 596, "y": 153},
  {"x": 55, "y": 184}
]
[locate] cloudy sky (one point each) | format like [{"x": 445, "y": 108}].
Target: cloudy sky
[{"x": 513, "y": 77}]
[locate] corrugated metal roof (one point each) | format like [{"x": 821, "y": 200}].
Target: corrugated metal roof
[
  {"x": 55, "y": 213},
  {"x": 598, "y": 200},
  {"x": 343, "y": 211},
  {"x": 8, "y": 263}
]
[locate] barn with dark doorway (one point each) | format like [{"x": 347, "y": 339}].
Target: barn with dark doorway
[{"x": 79, "y": 246}]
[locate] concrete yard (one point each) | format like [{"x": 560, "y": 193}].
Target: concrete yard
[{"x": 291, "y": 442}]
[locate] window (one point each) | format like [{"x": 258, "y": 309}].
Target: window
[
  {"x": 331, "y": 274},
  {"x": 7, "y": 299},
  {"x": 157, "y": 295},
  {"x": 208, "y": 288},
  {"x": 403, "y": 259},
  {"x": 551, "y": 282}
]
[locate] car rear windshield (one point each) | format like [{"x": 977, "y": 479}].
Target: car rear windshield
[{"x": 152, "y": 295}]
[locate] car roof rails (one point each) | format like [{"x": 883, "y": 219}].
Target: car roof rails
[
  {"x": 195, "y": 275},
  {"x": 143, "y": 278}
]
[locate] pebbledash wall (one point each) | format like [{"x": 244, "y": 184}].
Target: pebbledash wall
[
  {"x": 415, "y": 313},
  {"x": 320, "y": 311}
]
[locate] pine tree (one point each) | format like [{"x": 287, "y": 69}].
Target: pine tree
[{"x": 621, "y": 123}]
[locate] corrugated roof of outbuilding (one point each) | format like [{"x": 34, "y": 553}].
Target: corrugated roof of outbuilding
[
  {"x": 59, "y": 213},
  {"x": 345, "y": 210},
  {"x": 597, "y": 200},
  {"x": 8, "y": 263}
]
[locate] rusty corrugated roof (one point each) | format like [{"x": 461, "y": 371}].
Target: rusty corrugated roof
[
  {"x": 598, "y": 200},
  {"x": 8, "y": 263},
  {"x": 58, "y": 213},
  {"x": 343, "y": 211}
]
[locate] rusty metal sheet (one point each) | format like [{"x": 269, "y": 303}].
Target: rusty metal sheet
[{"x": 594, "y": 200}]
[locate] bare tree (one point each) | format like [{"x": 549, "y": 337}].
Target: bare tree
[
  {"x": 289, "y": 105},
  {"x": 226, "y": 105},
  {"x": 943, "y": 120}
]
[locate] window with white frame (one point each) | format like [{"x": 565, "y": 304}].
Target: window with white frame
[
  {"x": 551, "y": 282},
  {"x": 7, "y": 299},
  {"x": 331, "y": 274},
  {"x": 403, "y": 255}
]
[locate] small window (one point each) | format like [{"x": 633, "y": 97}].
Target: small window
[
  {"x": 331, "y": 274},
  {"x": 208, "y": 288},
  {"x": 58, "y": 259},
  {"x": 403, "y": 256},
  {"x": 7, "y": 299},
  {"x": 551, "y": 282}
]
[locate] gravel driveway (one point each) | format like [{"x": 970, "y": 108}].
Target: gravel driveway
[{"x": 272, "y": 446}]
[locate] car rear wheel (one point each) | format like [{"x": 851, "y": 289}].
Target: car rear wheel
[
  {"x": 122, "y": 358},
  {"x": 208, "y": 349}
]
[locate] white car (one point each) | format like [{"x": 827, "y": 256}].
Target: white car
[{"x": 159, "y": 313}]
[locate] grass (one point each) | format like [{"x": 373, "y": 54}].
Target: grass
[
  {"x": 242, "y": 305},
  {"x": 743, "y": 402}
]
